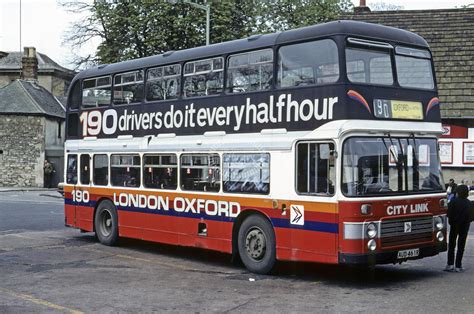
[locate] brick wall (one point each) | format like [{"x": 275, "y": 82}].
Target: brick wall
[{"x": 21, "y": 150}]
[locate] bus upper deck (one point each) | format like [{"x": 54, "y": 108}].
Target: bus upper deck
[{"x": 296, "y": 80}]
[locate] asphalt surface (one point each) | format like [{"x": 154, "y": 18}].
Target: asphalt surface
[{"x": 45, "y": 267}]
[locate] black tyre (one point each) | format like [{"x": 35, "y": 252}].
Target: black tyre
[
  {"x": 256, "y": 243},
  {"x": 106, "y": 223}
]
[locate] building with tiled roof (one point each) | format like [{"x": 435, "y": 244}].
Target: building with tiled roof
[
  {"x": 450, "y": 34},
  {"x": 51, "y": 75},
  {"x": 31, "y": 130}
]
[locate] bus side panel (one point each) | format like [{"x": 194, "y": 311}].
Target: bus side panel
[
  {"x": 317, "y": 239},
  {"x": 175, "y": 230},
  {"x": 69, "y": 208},
  {"x": 85, "y": 218},
  {"x": 219, "y": 234}
]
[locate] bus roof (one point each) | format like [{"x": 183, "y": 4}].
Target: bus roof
[{"x": 351, "y": 28}]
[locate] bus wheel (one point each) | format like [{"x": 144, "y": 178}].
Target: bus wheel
[
  {"x": 256, "y": 242},
  {"x": 106, "y": 223}
]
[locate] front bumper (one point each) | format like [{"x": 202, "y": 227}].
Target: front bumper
[{"x": 389, "y": 256}]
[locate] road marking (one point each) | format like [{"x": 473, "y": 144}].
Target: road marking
[{"x": 45, "y": 303}]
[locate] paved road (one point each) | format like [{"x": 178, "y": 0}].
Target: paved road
[{"x": 45, "y": 267}]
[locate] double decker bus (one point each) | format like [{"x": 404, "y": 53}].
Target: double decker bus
[{"x": 317, "y": 144}]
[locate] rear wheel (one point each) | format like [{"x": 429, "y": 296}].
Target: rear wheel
[
  {"x": 106, "y": 223},
  {"x": 256, "y": 243}
]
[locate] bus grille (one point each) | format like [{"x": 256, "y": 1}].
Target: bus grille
[{"x": 393, "y": 233}]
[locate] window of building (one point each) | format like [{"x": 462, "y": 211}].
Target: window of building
[
  {"x": 200, "y": 172},
  {"x": 125, "y": 170},
  {"x": 315, "y": 168},
  {"x": 85, "y": 169},
  {"x": 164, "y": 82},
  {"x": 160, "y": 172},
  {"x": 71, "y": 171},
  {"x": 369, "y": 66},
  {"x": 250, "y": 71},
  {"x": 101, "y": 169},
  {"x": 246, "y": 173},
  {"x": 204, "y": 77},
  {"x": 96, "y": 92},
  {"x": 308, "y": 63},
  {"x": 128, "y": 88}
]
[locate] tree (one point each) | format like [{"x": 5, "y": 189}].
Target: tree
[{"x": 139, "y": 28}]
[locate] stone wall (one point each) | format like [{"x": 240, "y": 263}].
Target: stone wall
[{"x": 22, "y": 150}]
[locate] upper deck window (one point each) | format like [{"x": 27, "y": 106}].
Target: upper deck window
[
  {"x": 75, "y": 96},
  {"x": 414, "y": 68},
  {"x": 96, "y": 92},
  {"x": 250, "y": 71},
  {"x": 163, "y": 82},
  {"x": 369, "y": 66},
  {"x": 128, "y": 88},
  {"x": 203, "y": 77},
  {"x": 309, "y": 63}
]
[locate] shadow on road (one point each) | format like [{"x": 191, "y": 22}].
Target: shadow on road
[{"x": 382, "y": 276}]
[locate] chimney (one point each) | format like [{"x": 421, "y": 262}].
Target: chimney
[
  {"x": 362, "y": 8},
  {"x": 29, "y": 64}
]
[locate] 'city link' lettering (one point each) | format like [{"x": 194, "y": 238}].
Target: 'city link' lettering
[{"x": 393, "y": 210}]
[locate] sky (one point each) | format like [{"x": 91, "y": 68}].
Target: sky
[{"x": 44, "y": 23}]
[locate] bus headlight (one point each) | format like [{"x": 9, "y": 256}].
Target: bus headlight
[
  {"x": 372, "y": 245},
  {"x": 439, "y": 223},
  {"x": 440, "y": 236},
  {"x": 371, "y": 230}
]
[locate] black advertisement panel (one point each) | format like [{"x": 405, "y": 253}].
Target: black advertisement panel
[{"x": 294, "y": 109}]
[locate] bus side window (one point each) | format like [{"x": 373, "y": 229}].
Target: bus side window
[
  {"x": 315, "y": 168},
  {"x": 85, "y": 169},
  {"x": 250, "y": 71},
  {"x": 200, "y": 172},
  {"x": 128, "y": 88},
  {"x": 96, "y": 92},
  {"x": 125, "y": 170},
  {"x": 71, "y": 171},
  {"x": 204, "y": 77},
  {"x": 308, "y": 63},
  {"x": 246, "y": 173},
  {"x": 164, "y": 82},
  {"x": 101, "y": 170},
  {"x": 160, "y": 172}
]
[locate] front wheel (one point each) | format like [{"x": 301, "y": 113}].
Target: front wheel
[
  {"x": 256, "y": 243},
  {"x": 106, "y": 223}
]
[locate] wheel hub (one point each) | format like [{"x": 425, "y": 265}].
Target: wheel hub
[
  {"x": 106, "y": 223},
  {"x": 255, "y": 244}
]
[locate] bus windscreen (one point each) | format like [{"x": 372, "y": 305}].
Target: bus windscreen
[{"x": 390, "y": 165}]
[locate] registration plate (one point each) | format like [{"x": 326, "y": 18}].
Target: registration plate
[{"x": 408, "y": 253}]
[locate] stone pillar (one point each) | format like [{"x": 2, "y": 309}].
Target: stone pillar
[{"x": 29, "y": 64}]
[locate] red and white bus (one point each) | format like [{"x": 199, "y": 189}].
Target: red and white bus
[{"x": 317, "y": 144}]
